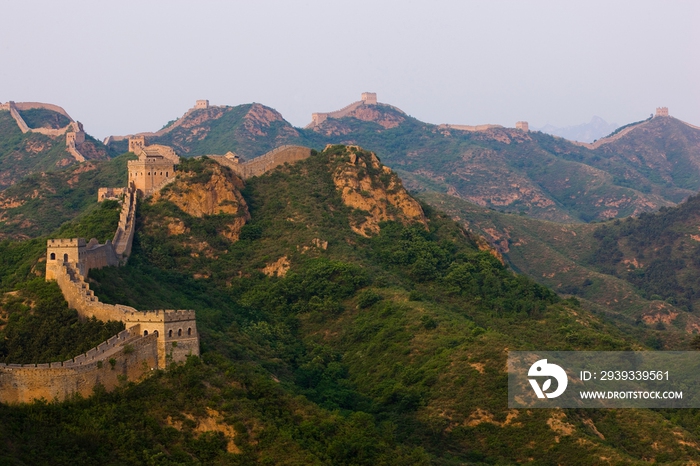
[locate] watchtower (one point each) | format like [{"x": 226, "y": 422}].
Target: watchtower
[
  {"x": 60, "y": 251},
  {"x": 136, "y": 144},
  {"x": 369, "y": 98},
  {"x": 661, "y": 111},
  {"x": 318, "y": 118},
  {"x": 523, "y": 126},
  {"x": 201, "y": 104}
]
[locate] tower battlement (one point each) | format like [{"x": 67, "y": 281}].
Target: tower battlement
[{"x": 65, "y": 242}]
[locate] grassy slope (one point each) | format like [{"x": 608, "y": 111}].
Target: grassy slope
[
  {"x": 22, "y": 154},
  {"x": 388, "y": 350},
  {"x": 43, "y": 118}
]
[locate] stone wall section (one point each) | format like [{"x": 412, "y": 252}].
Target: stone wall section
[
  {"x": 124, "y": 236},
  {"x": 470, "y": 128},
  {"x": 112, "y": 194},
  {"x": 17, "y": 117},
  {"x": 30, "y": 105},
  {"x": 126, "y": 356},
  {"x": 264, "y": 163}
]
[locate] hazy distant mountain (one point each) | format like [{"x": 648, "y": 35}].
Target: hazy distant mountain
[{"x": 586, "y": 132}]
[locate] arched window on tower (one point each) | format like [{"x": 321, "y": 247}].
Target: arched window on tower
[
  {"x": 145, "y": 332},
  {"x": 53, "y": 256},
  {"x": 65, "y": 258},
  {"x": 179, "y": 333},
  {"x": 170, "y": 333},
  {"x": 155, "y": 332},
  {"x": 189, "y": 331}
]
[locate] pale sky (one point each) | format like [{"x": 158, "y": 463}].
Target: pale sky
[{"x": 130, "y": 66}]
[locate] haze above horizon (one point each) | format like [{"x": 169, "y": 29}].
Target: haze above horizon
[{"x": 130, "y": 67}]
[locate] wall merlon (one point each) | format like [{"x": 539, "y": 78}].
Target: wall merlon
[
  {"x": 180, "y": 315},
  {"x": 64, "y": 242}
]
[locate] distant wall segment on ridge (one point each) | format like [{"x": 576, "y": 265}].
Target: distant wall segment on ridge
[
  {"x": 73, "y": 131},
  {"x": 367, "y": 98},
  {"x": 264, "y": 163},
  {"x": 22, "y": 106},
  {"x": 470, "y": 128},
  {"x": 199, "y": 105}
]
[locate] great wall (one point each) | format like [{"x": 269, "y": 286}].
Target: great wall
[
  {"x": 661, "y": 112},
  {"x": 370, "y": 98},
  {"x": 152, "y": 339},
  {"x": 75, "y": 135}
]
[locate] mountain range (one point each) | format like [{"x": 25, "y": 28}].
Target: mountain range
[
  {"x": 649, "y": 165},
  {"x": 345, "y": 320},
  {"x": 595, "y": 129}
]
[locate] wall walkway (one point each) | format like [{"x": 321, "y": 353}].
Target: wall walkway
[{"x": 265, "y": 163}]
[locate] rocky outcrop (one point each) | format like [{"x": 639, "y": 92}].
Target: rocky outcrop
[
  {"x": 368, "y": 186},
  {"x": 220, "y": 194},
  {"x": 259, "y": 119}
]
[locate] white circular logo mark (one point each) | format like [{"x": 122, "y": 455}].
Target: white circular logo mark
[{"x": 542, "y": 369}]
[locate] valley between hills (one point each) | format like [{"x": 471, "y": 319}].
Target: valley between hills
[{"x": 357, "y": 306}]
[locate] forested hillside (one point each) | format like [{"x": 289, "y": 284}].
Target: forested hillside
[
  {"x": 327, "y": 340},
  {"x": 643, "y": 269}
]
